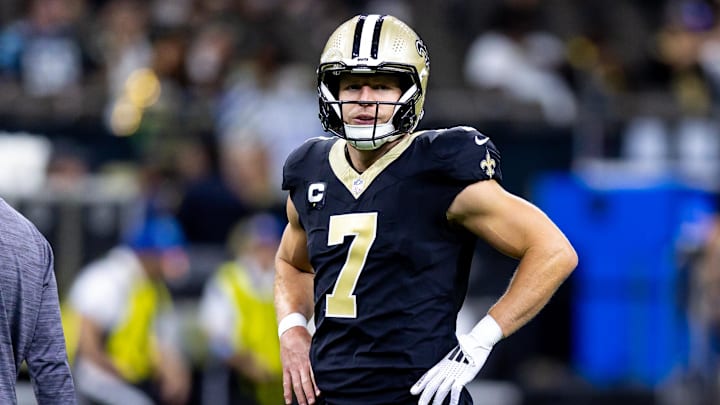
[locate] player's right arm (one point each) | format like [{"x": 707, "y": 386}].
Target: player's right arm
[{"x": 293, "y": 296}]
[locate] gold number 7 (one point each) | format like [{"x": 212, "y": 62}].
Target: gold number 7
[{"x": 341, "y": 303}]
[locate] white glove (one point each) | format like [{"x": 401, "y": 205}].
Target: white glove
[{"x": 460, "y": 366}]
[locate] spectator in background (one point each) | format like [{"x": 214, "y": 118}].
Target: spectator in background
[
  {"x": 238, "y": 316},
  {"x": 681, "y": 46},
  {"x": 122, "y": 42},
  {"x": 522, "y": 61},
  {"x": 247, "y": 171},
  {"x": 209, "y": 58},
  {"x": 688, "y": 53},
  {"x": 208, "y": 206},
  {"x": 42, "y": 50},
  {"x": 268, "y": 108},
  {"x": 29, "y": 314},
  {"x": 705, "y": 311},
  {"x": 157, "y": 96},
  {"x": 125, "y": 350}
]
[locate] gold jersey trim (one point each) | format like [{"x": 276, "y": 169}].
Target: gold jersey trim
[{"x": 355, "y": 182}]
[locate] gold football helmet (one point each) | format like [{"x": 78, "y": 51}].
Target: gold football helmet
[{"x": 368, "y": 44}]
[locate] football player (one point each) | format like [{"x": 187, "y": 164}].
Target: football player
[{"x": 382, "y": 226}]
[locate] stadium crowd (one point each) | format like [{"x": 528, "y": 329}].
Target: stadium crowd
[{"x": 188, "y": 108}]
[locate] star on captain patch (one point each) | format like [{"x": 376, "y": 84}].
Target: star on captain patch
[
  {"x": 488, "y": 164},
  {"x": 358, "y": 185}
]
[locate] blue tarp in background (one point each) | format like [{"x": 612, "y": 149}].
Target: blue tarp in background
[{"x": 628, "y": 305}]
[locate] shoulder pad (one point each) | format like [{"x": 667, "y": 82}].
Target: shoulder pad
[
  {"x": 305, "y": 148},
  {"x": 311, "y": 151},
  {"x": 448, "y": 141},
  {"x": 465, "y": 154}
]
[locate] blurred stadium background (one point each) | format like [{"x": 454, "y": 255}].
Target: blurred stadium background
[{"x": 606, "y": 113}]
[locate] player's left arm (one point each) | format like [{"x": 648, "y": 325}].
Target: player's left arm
[{"x": 519, "y": 229}]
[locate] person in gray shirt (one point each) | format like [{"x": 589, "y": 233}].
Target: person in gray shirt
[{"x": 30, "y": 326}]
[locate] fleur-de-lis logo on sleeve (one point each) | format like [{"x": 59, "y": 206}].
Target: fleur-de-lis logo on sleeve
[{"x": 488, "y": 164}]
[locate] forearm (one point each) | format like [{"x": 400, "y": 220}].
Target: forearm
[
  {"x": 91, "y": 349},
  {"x": 293, "y": 290},
  {"x": 100, "y": 359},
  {"x": 174, "y": 376},
  {"x": 293, "y": 272},
  {"x": 536, "y": 279},
  {"x": 170, "y": 364}
]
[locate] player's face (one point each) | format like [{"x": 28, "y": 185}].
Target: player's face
[{"x": 369, "y": 88}]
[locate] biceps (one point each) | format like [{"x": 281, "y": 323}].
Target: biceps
[
  {"x": 293, "y": 250},
  {"x": 516, "y": 228},
  {"x": 507, "y": 222}
]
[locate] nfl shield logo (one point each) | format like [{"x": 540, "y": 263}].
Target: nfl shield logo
[{"x": 357, "y": 186}]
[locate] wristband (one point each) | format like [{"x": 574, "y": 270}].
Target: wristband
[
  {"x": 290, "y": 321},
  {"x": 487, "y": 332}
]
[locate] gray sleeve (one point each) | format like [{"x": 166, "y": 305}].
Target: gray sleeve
[{"x": 47, "y": 358}]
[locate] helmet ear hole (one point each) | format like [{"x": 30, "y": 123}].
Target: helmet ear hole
[
  {"x": 332, "y": 82},
  {"x": 405, "y": 82},
  {"x": 329, "y": 118},
  {"x": 404, "y": 119}
]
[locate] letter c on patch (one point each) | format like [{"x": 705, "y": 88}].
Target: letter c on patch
[{"x": 316, "y": 193}]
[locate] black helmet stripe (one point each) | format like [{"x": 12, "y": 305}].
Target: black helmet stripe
[
  {"x": 376, "y": 37},
  {"x": 358, "y": 35},
  {"x": 366, "y": 30}
]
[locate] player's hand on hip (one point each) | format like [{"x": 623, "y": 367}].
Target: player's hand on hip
[
  {"x": 297, "y": 372},
  {"x": 459, "y": 366}
]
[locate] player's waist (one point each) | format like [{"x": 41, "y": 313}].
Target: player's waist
[
  {"x": 397, "y": 342},
  {"x": 360, "y": 385}
]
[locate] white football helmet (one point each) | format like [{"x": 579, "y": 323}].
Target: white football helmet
[{"x": 368, "y": 44}]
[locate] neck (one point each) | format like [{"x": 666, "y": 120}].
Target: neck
[{"x": 361, "y": 160}]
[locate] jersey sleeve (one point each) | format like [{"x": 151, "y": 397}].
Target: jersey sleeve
[
  {"x": 47, "y": 357},
  {"x": 464, "y": 154},
  {"x": 293, "y": 167}
]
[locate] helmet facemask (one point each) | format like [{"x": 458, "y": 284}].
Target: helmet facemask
[{"x": 367, "y": 137}]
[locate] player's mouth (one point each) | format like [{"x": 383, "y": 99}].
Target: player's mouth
[{"x": 364, "y": 120}]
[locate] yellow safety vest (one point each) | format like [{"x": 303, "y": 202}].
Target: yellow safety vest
[
  {"x": 132, "y": 345},
  {"x": 71, "y": 320},
  {"x": 257, "y": 330}
]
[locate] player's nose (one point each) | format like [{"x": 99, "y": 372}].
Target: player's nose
[{"x": 367, "y": 95}]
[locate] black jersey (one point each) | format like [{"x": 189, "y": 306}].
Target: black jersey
[{"x": 391, "y": 272}]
